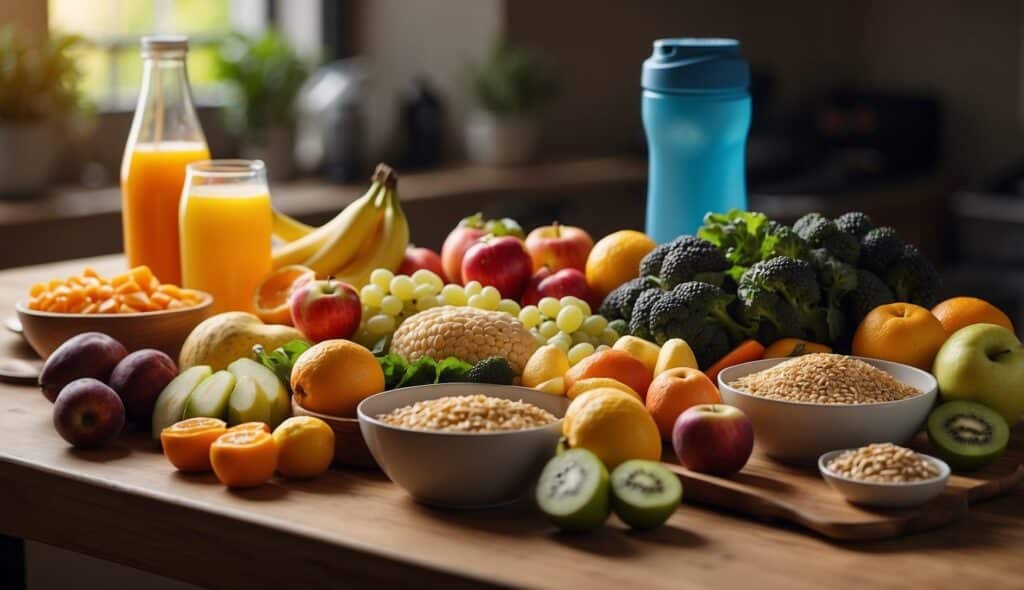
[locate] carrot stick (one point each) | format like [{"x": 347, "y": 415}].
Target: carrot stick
[{"x": 748, "y": 350}]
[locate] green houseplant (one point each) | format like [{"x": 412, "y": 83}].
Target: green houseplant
[
  {"x": 38, "y": 93},
  {"x": 264, "y": 75},
  {"x": 508, "y": 87}
]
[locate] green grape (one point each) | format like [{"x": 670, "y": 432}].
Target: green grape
[
  {"x": 509, "y": 306},
  {"x": 427, "y": 277},
  {"x": 579, "y": 337},
  {"x": 541, "y": 341},
  {"x": 530, "y": 316},
  {"x": 477, "y": 301},
  {"x": 569, "y": 319},
  {"x": 422, "y": 291},
  {"x": 403, "y": 288},
  {"x": 576, "y": 302},
  {"x": 382, "y": 278},
  {"x": 491, "y": 297},
  {"x": 602, "y": 348},
  {"x": 549, "y": 306},
  {"x": 427, "y": 302},
  {"x": 548, "y": 328},
  {"x": 561, "y": 340},
  {"x": 371, "y": 295},
  {"x": 454, "y": 295},
  {"x": 391, "y": 305},
  {"x": 580, "y": 351},
  {"x": 609, "y": 336},
  {"x": 473, "y": 288},
  {"x": 380, "y": 324},
  {"x": 595, "y": 324}
]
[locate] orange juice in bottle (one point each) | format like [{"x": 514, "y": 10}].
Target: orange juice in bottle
[
  {"x": 165, "y": 137},
  {"x": 225, "y": 229}
]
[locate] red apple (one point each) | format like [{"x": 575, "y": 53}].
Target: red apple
[
  {"x": 87, "y": 413},
  {"x": 467, "y": 233},
  {"x": 422, "y": 258},
  {"x": 499, "y": 262},
  {"x": 559, "y": 246},
  {"x": 544, "y": 283},
  {"x": 713, "y": 438},
  {"x": 327, "y": 309}
]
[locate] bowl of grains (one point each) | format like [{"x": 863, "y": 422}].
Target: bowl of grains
[
  {"x": 884, "y": 475},
  {"x": 462, "y": 445},
  {"x": 804, "y": 406}
]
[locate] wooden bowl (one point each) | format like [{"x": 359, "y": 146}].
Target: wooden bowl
[
  {"x": 350, "y": 449},
  {"x": 162, "y": 330}
]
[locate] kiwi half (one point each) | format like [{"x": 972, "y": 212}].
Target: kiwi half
[
  {"x": 967, "y": 435},
  {"x": 645, "y": 493},
  {"x": 573, "y": 491}
]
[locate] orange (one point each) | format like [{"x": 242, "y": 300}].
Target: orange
[
  {"x": 585, "y": 385},
  {"x": 305, "y": 446},
  {"x": 616, "y": 364},
  {"x": 787, "y": 347},
  {"x": 187, "y": 443},
  {"x": 960, "y": 312},
  {"x": 244, "y": 458},
  {"x": 900, "y": 332},
  {"x": 250, "y": 426},
  {"x": 271, "y": 298},
  {"x": 615, "y": 259},
  {"x": 675, "y": 391},
  {"x": 613, "y": 425},
  {"x": 333, "y": 376}
]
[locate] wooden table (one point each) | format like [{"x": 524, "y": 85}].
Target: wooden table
[{"x": 127, "y": 505}]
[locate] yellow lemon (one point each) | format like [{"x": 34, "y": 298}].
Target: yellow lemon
[
  {"x": 554, "y": 386},
  {"x": 675, "y": 354},
  {"x": 545, "y": 364},
  {"x": 642, "y": 350},
  {"x": 613, "y": 425},
  {"x": 615, "y": 259},
  {"x": 584, "y": 385},
  {"x": 305, "y": 446}
]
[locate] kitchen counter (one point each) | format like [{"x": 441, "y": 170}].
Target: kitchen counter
[{"x": 353, "y": 527}]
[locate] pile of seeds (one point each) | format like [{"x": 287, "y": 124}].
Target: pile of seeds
[
  {"x": 823, "y": 378},
  {"x": 469, "y": 413},
  {"x": 883, "y": 462}
]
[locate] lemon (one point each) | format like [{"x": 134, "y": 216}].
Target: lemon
[
  {"x": 305, "y": 446},
  {"x": 545, "y": 364},
  {"x": 642, "y": 350},
  {"x": 613, "y": 425},
  {"x": 554, "y": 386},
  {"x": 675, "y": 353},
  {"x": 615, "y": 259},
  {"x": 584, "y": 385}
]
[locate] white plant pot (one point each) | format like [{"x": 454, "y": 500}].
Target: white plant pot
[
  {"x": 500, "y": 140},
  {"x": 26, "y": 158}
]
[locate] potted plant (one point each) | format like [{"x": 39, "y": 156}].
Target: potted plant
[
  {"x": 38, "y": 93},
  {"x": 264, "y": 75},
  {"x": 509, "y": 88}
]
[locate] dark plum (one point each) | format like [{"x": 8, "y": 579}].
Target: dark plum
[
  {"x": 88, "y": 414},
  {"x": 138, "y": 379},
  {"x": 90, "y": 354}
]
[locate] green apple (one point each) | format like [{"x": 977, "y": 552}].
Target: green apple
[
  {"x": 269, "y": 386},
  {"x": 247, "y": 403},
  {"x": 210, "y": 397},
  {"x": 983, "y": 363},
  {"x": 170, "y": 404}
]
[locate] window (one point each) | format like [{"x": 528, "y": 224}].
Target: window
[{"x": 110, "y": 60}]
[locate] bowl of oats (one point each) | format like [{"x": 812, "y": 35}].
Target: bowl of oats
[
  {"x": 884, "y": 475},
  {"x": 462, "y": 445}
]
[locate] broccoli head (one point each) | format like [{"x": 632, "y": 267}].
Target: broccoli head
[
  {"x": 843, "y": 246},
  {"x": 619, "y": 303},
  {"x": 771, "y": 317},
  {"x": 699, "y": 314},
  {"x": 693, "y": 259},
  {"x": 781, "y": 240},
  {"x": 638, "y": 321},
  {"x": 814, "y": 227},
  {"x": 912, "y": 278},
  {"x": 869, "y": 293},
  {"x": 854, "y": 223},
  {"x": 495, "y": 370},
  {"x": 836, "y": 279},
  {"x": 794, "y": 282},
  {"x": 879, "y": 248},
  {"x": 650, "y": 265}
]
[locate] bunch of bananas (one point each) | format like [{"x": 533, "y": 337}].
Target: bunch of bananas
[{"x": 372, "y": 232}]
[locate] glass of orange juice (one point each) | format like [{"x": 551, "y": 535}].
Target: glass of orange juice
[{"x": 225, "y": 228}]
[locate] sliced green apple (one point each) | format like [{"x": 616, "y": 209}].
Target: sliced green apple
[
  {"x": 210, "y": 398},
  {"x": 170, "y": 404},
  {"x": 247, "y": 402},
  {"x": 269, "y": 386}
]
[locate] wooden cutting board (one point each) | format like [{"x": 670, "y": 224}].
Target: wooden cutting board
[{"x": 768, "y": 490}]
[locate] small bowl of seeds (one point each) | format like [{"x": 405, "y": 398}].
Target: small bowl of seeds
[{"x": 884, "y": 475}]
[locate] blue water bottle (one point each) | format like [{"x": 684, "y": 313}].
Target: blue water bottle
[{"x": 696, "y": 112}]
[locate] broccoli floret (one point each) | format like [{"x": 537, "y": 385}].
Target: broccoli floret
[
  {"x": 843, "y": 246},
  {"x": 495, "y": 370},
  {"x": 870, "y": 292},
  {"x": 650, "y": 265},
  {"x": 879, "y": 248},
  {"x": 855, "y": 223},
  {"x": 814, "y": 227},
  {"x": 912, "y": 278},
  {"x": 619, "y": 303},
  {"x": 795, "y": 282},
  {"x": 620, "y": 326},
  {"x": 638, "y": 322},
  {"x": 781, "y": 240},
  {"x": 693, "y": 259},
  {"x": 772, "y": 316},
  {"x": 836, "y": 279},
  {"x": 699, "y": 314}
]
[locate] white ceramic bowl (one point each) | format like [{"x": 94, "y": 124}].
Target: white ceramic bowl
[
  {"x": 460, "y": 470},
  {"x": 885, "y": 495},
  {"x": 799, "y": 432}
]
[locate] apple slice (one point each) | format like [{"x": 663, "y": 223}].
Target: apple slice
[
  {"x": 269, "y": 385},
  {"x": 170, "y": 404},
  {"x": 247, "y": 402},
  {"x": 210, "y": 398}
]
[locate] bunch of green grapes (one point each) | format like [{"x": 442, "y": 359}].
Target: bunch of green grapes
[{"x": 568, "y": 324}]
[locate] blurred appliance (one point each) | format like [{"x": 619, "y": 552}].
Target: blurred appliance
[
  {"x": 422, "y": 127},
  {"x": 331, "y": 121}
]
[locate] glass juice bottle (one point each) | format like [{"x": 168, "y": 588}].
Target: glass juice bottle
[{"x": 165, "y": 137}]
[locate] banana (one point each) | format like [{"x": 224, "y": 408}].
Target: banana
[
  {"x": 302, "y": 249},
  {"x": 346, "y": 241},
  {"x": 288, "y": 228},
  {"x": 388, "y": 250}
]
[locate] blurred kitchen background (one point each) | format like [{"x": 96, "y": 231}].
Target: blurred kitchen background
[{"x": 911, "y": 111}]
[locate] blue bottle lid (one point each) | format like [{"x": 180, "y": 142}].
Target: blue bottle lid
[{"x": 687, "y": 64}]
